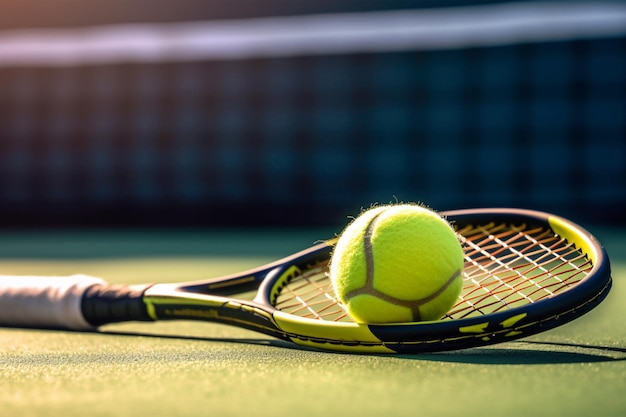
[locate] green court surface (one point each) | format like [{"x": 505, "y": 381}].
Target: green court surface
[{"x": 196, "y": 369}]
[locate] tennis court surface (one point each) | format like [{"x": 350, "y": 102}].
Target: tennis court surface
[{"x": 195, "y": 368}]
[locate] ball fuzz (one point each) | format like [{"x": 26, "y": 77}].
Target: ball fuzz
[{"x": 397, "y": 263}]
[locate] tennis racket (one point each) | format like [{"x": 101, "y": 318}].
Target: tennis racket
[{"x": 525, "y": 272}]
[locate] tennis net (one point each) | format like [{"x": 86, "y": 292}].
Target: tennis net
[{"x": 303, "y": 120}]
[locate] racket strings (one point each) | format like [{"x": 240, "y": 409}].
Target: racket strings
[
  {"x": 311, "y": 295},
  {"x": 506, "y": 266},
  {"x": 509, "y": 266}
]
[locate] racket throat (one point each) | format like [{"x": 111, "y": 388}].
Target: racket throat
[{"x": 165, "y": 302}]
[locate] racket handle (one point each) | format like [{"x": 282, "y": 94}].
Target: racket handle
[
  {"x": 79, "y": 302},
  {"x": 44, "y": 302}
]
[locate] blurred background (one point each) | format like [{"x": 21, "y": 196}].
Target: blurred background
[{"x": 189, "y": 113}]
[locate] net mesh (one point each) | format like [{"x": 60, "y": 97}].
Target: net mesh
[
  {"x": 100, "y": 127},
  {"x": 506, "y": 266}
]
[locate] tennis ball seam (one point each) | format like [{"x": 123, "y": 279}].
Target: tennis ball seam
[
  {"x": 368, "y": 287},
  {"x": 412, "y": 305}
]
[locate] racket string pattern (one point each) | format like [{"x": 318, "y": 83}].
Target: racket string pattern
[{"x": 507, "y": 266}]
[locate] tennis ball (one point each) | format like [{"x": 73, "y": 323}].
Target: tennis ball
[{"x": 397, "y": 263}]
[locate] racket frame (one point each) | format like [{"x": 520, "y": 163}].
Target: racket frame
[{"x": 209, "y": 300}]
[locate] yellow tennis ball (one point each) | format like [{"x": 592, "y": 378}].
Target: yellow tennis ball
[{"x": 397, "y": 263}]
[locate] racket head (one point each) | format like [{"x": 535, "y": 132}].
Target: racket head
[{"x": 525, "y": 272}]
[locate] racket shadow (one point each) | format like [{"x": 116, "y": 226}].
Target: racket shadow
[
  {"x": 512, "y": 353},
  {"x": 528, "y": 353}
]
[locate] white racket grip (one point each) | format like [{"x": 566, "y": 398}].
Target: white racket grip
[{"x": 44, "y": 302}]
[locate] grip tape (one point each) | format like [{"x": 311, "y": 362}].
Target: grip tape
[{"x": 103, "y": 304}]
